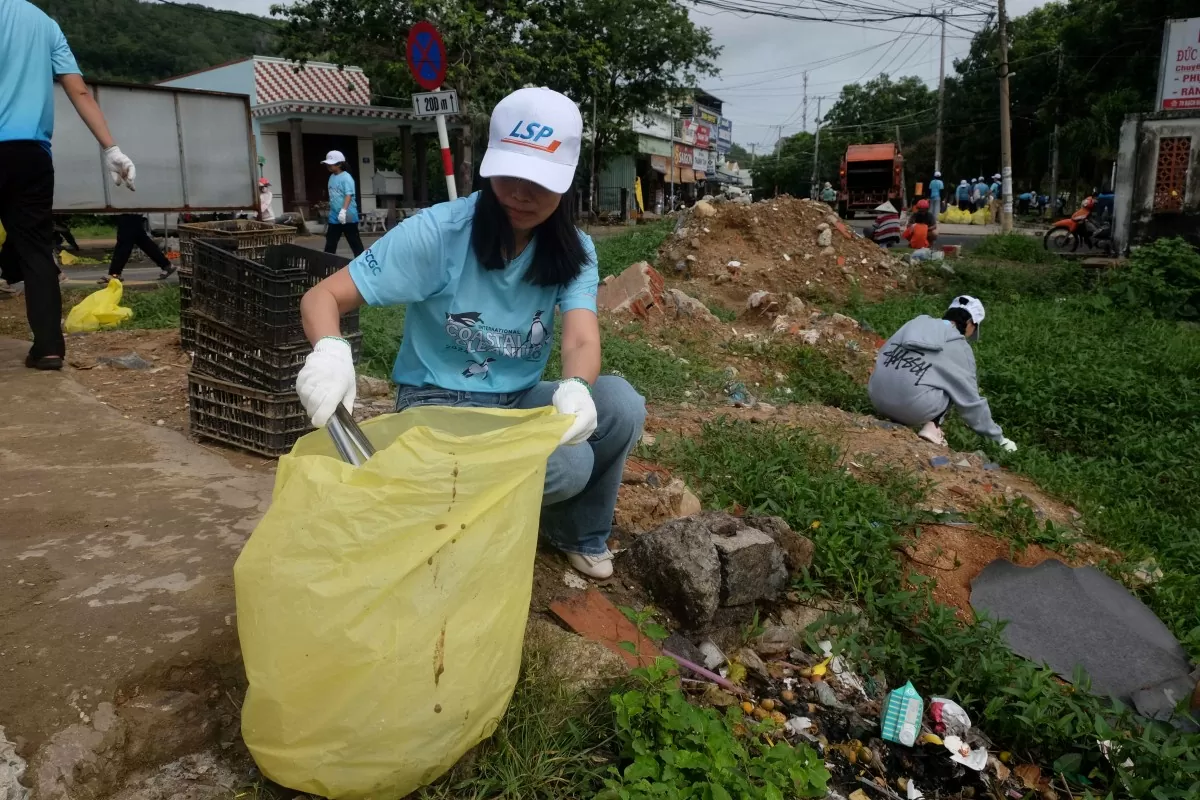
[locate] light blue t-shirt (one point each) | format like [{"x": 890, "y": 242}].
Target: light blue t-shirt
[
  {"x": 341, "y": 185},
  {"x": 935, "y": 187},
  {"x": 981, "y": 189},
  {"x": 995, "y": 189},
  {"x": 467, "y": 328},
  {"x": 964, "y": 192},
  {"x": 33, "y": 51}
]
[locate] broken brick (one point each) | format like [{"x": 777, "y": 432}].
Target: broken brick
[{"x": 638, "y": 290}]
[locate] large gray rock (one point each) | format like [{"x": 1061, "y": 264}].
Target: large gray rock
[
  {"x": 752, "y": 566},
  {"x": 693, "y": 565},
  {"x": 797, "y": 549},
  {"x": 12, "y": 768},
  {"x": 678, "y": 564}
]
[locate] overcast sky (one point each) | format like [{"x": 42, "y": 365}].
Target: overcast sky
[{"x": 763, "y": 59}]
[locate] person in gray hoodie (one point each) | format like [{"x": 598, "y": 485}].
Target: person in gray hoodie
[{"x": 927, "y": 366}]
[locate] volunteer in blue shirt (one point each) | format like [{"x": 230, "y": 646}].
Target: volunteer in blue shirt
[
  {"x": 343, "y": 206},
  {"x": 963, "y": 195},
  {"x": 482, "y": 276},
  {"x": 935, "y": 193},
  {"x": 33, "y": 52}
]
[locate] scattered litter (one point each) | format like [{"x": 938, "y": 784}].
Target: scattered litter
[
  {"x": 574, "y": 580},
  {"x": 962, "y": 753},
  {"x": 963, "y": 464},
  {"x": 950, "y": 719},
  {"x": 939, "y": 461},
  {"x": 913, "y": 792},
  {"x": 991, "y": 466},
  {"x": 799, "y": 725},
  {"x": 130, "y": 360},
  {"x": 901, "y": 718},
  {"x": 713, "y": 657}
]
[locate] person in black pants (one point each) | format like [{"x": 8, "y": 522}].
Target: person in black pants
[
  {"x": 131, "y": 232},
  {"x": 343, "y": 205},
  {"x": 33, "y": 53}
]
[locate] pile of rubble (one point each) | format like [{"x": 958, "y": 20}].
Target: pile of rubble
[{"x": 783, "y": 245}]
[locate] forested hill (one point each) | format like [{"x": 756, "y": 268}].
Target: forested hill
[{"x": 127, "y": 40}]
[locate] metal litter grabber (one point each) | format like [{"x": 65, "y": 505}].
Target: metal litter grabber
[{"x": 351, "y": 443}]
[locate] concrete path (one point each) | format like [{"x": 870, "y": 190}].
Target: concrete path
[{"x": 118, "y": 640}]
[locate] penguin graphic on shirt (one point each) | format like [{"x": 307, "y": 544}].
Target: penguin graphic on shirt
[
  {"x": 478, "y": 370},
  {"x": 537, "y": 331},
  {"x": 462, "y": 322}
]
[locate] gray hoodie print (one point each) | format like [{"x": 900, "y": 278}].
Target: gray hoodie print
[{"x": 923, "y": 368}]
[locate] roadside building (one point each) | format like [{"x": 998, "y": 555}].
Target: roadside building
[
  {"x": 301, "y": 112},
  {"x": 679, "y": 150},
  {"x": 1157, "y": 189}
]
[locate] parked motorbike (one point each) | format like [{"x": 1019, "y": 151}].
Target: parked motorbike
[{"x": 1066, "y": 234}]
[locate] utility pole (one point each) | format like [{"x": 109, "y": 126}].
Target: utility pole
[
  {"x": 1053, "y": 204},
  {"x": 1006, "y": 220},
  {"x": 816, "y": 176},
  {"x": 937, "y": 156},
  {"x": 804, "y": 120},
  {"x": 903, "y": 180}
]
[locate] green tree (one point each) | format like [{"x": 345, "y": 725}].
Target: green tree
[
  {"x": 126, "y": 40},
  {"x": 616, "y": 58},
  {"x": 614, "y": 55}
]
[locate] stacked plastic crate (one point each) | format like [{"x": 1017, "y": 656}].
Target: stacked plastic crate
[
  {"x": 251, "y": 240},
  {"x": 249, "y": 343}
]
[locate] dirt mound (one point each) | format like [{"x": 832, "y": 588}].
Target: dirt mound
[{"x": 781, "y": 245}]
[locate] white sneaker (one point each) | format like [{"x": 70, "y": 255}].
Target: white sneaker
[
  {"x": 599, "y": 567},
  {"x": 930, "y": 432}
]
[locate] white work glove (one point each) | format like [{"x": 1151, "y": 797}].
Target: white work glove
[
  {"x": 1008, "y": 445},
  {"x": 342, "y": 217},
  {"x": 119, "y": 167},
  {"x": 572, "y": 397},
  {"x": 327, "y": 379}
]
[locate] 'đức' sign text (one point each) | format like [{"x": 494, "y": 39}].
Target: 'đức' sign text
[{"x": 1179, "y": 70}]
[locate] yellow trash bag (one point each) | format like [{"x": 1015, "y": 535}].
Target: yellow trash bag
[
  {"x": 100, "y": 309},
  {"x": 980, "y": 217},
  {"x": 3, "y": 236},
  {"x": 381, "y": 609}
]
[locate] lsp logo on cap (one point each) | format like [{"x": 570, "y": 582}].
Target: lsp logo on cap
[{"x": 534, "y": 133}]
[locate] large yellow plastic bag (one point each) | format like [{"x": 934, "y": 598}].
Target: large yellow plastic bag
[
  {"x": 381, "y": 609},
  {"x": 100, "y": 309}
]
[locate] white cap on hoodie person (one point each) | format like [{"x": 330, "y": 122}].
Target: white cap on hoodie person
[{"x": 535, "y": 135}]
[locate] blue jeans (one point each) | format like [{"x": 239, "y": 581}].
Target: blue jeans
[{"x": 581, "y": 480}]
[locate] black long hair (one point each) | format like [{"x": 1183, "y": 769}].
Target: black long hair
[
  {"x": 558, "y": 255},
  {"x": 959, "y": 317}
]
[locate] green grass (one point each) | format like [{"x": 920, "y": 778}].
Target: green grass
[
  {"x": 1106, "y": 408},
  {"x": 615, "y": 253},
  {"x": 1015, "y": 247},
  {"x": 552, "y": 744},
  {"x": 857, "y": 528},
  {"x": 382, "y": 330},
  {"x": 94, "y": 231},
  {"x": 158, "y": 308}
]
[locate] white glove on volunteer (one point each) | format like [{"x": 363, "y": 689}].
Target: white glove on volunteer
[
  {"x": 119, "y": 166},
  {"x": 327, "y": 379},
  {"x": 1008, "y": 445},
  {"x": 342, "y": 217},
  {"x": 573, "y": 397}
]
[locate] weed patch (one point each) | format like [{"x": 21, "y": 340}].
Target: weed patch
[
  {"x": 1163, "y": 277},
  {"x": 615, "y": 253},
  {"x": 382, "y": 331},
  {"x": 1015, "y": 247}
]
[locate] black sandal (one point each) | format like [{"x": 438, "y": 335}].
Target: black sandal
[
  {"x": 46, "y": 363},
  {"x": 104, "y": 281},
  {"x": 163, "y": 274}
]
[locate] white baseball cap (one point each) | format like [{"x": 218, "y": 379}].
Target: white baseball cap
[
  {"x": 535, "y": 135},
  {"x": 334, "y": 157},
  {"x": 973, "y": 307}
]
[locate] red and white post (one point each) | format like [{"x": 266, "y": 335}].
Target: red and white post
[{"x": 447, "y": 157}]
